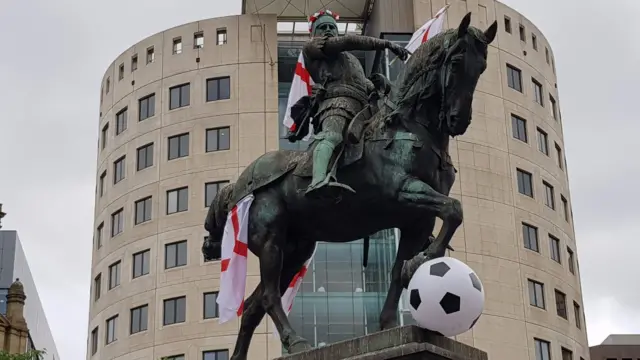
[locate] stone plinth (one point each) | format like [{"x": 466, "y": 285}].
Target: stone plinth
[{"x": 401, "y": 343}]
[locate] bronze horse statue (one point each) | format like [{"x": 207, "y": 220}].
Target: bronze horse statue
[{"x": 400, "y": 170}]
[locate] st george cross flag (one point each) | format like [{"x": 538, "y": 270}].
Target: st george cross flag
[
  {"x": 300, "y": 86},
  {"x": 430, "y": 29},
  {"x": 233, "y": 272}
]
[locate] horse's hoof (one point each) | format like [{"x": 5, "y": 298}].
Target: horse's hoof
[{"x": 299, "y": 344}]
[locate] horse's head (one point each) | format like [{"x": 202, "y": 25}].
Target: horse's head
[{"x": 465, "y": 59}]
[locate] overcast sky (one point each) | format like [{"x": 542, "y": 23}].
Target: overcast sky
[{"x": 56, "y": 51}]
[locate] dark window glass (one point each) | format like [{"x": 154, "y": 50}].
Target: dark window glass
[
  {"x": 145, "y": 157},
  {"x": 523, "y": 35},
  {"x": 546, "y": 54},
  {"x": 559, "y": 156},
  {"x": 568, "y": 354},
  {"x": 119, "y": 170},
  {"x": 536, "y": 294},
  {"x": 175, "y": 254},
  {"x": 514, "y": 78},
  {"x": 175, "y": 357},
  {"x": 543, "y": 142},
  {"x": 121, "y": 121},
  {"x": 112, "y": 329},
  {"x": 554, "y": 108},
  {"x": 117, "y": 222},
  {"x": 177, "y": 200},
  {"x": 94, "y": 341},
  {"x": 101, "y": 183},
  {"x": 141, "y": 263},
  {"x": 577, "y": 314},
  {"x": 543, "y": 351},
  {"x": 143, "y": 210},
  {"x": 114, "y": 274},
  {"x": 99, "y": 234},
  {"x": 507, "y": 24},
  {"x": 211, "y": 189},
  {"x": 530, "y": 235},
  {"x": 218, "y": 139},
  {"x": 210, "y": 310},
  {"x": 147, "y": 107},
  {"x": 519, "y": 128},
  {"x": 179, "y": 96},
  {"x": 221, "y": 35},
  {"x": 525, "y": 184},
  {"x": 198, "y": 40},
  {"x": 217, "y": 355},
  {"x": 139, "y": 319},
  {"x": 534, "y": 42},
  {"x": 150, "y": 55},
  {"x": 561, "y": 304},
  {"x": 537, "y": 91},
  {"x": 572, "y": 268},
  {"x": 121, "y": 72},
  {"x": 105, "y": 134},
  {"x": 134, "y": 63},
  {"x": 219, "y": 88},
  {"x": 178, "y": 146},
  {"x": 174, "y": 310},
  {"x": 554, "y": 248},
  {"x": 97, "y": 287},
  {"x": 549, "y": 199}
]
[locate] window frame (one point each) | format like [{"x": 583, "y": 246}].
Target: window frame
[
  {"x": 215, "y": 353},
  {"x": 522, "y": 31},
  {"x": 150, "y": 57},
  {"x": 571, "y": 261},
  {"x": 219, "y": 185},
  {"x": 507, "y": 24},
  {"x": 176, "y": 47},
  {"x": 111, "y": 326},
  {"x": 115, "y": 280},
  {"x": 144, "y": 103},
  {"x": 216, "y": 309},
  {"x": 218, "y": 147},
  {"x": 519, "y": 128},
  {"x": 105, "y": 135},
  {"x": 97, "y": 287},
  {"x": 218, "y": 81},
  {"x": 147, "y": 204},
  {"x": 538, "y": 92},
  {"x": 538, "y": 348},
  {"x": 549, "y": 195},
  {"x": 122, "y": 117},
  {"x": 577, "y": 314},
  {"x": 139, "y": 317},
  {"x": 140, "y": 255},
  {"x": 543, "y": 141},
  {"x": 521, "y": 176},
  {"x": 555, "y": 252},
  {"x": 95, "y": 340},
  {"x": 511, "y": 70},
  {"x": 180, "y": 88},
  {"x": 175, "y": 312},
  {"x": 537, "y": 297},
  {"x": 177, "y": 191},
  {"x": 221, "y": 31},
  {"x": 147, "y": 151},
  {"x": 526, "y": 236},
  {"x": 559, "y": 156},
  {"x": 119, "y": 164},
  {"x": 197, "y": 36},
  {"x": 183, "y": 150},
  {"x": 180, "y": 244},
  {"x": 119, "y": 215},
  {"x": 99, "y": 235},
  {"x": 561, "y": 304}
]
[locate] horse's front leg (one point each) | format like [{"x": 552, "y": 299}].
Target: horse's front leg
[
  {"x": 419, "y": 195},
  {"x": 412, "y": 240}
]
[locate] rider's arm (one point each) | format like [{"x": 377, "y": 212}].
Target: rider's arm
[{"x": 334, "y": 45}]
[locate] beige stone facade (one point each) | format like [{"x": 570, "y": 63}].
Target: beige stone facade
[
  {"x": 14, "y": 332},
  {"x": 487, "y": 158}
]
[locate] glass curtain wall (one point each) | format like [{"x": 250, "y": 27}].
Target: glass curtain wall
[{"x": 339, "y": 298}]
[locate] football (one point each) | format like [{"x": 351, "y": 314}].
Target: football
[{"x": 445, "y": 296}]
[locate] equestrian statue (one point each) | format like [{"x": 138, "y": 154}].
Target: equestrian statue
[{"x": 393, "y": 166}]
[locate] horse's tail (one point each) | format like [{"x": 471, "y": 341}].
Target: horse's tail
[{"x": 215, "y": 221}]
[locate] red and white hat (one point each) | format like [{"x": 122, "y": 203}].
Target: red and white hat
[{"x": 314, "y": 17}]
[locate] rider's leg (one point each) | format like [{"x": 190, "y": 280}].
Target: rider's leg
[{"x": 330, "y": 138}]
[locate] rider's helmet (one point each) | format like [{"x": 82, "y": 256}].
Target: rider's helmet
[{"x": 323, "y": 23}]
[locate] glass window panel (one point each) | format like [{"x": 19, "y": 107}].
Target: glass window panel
[{"x": 224, "y": 139}]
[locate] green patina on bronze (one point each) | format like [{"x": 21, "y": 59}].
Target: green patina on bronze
[{"x": 392, "y": 162}]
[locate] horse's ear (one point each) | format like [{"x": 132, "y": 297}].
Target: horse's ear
[
  {"x": 464, "y": 25},
  {"x": 490, "y": 33}
]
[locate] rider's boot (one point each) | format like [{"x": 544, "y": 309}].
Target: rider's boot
[{"x": 322, "y": 181}]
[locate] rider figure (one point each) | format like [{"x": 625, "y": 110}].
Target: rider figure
[{"x": 345, "y": 89}]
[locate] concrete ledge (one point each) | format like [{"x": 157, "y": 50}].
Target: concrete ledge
[{"x": 401, "y": 343}]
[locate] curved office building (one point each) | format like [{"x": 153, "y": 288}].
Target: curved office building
[{"x": 186, "y": 110}]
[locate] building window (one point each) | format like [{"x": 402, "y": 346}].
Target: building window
[
  {"x": 103, "y": 176},
  {"x": 211, "y": 189},
  {"x": 175, "y": 254},
  {"x": 561, "y": 304},
  {"x": 97, "y": 287},
  {"x": 570, "y": 260},
  {"x": 525, "y": 183},
  {"x": 543, "y": 142},
  {"x": 94, "y": 341},
  {"x": 151, "y": 55},
  {"x": 546, "y": 54},
  {"x": 219, "y": 88},
  {"x": 114, "y": 274},
  {"x": 537, "y": 91},
  {"x": 174, "y": 357},
  {"x": 139, "y": 319},
  {"x": 210, "y": 308},
  {"x": 554, "y": 109},
  {"x": 177, "y": 46},
  {"x": 147, "y": 107},
  {"x": 577, "y": 314},
  {"x": 507, "y": 24},
  {"x": 143, "y": 210},
  {"x": 119, "y": 169},
  {"x": 141, "y": 263},
  {"x": 99, "y": 232},
  {"x": 174, "y": 310},
  {"x": 559, "y": 156},
  {"x": 134, "y": 63},
  {"x": 108, "y": 85},
  {"x": 534, "y": 41},
  {"x": 536, "y": 294},
  {"x": 221, "y": 36},
  {"x": 179, "y": 96},
  {"x": 565, "y": 207},
  {"x": 523, "y": 35},
  {"x": 178, "y": 146},
  {"x": 218, "y": 139},
  {"x": 514, "y": 78},
  {"x": 554, "y": 249},
  {"x": 112, "y": 327},
  {"x": 121, "y": 72},
  {"x": 198, "y": 40},
  {"x": 121, "y": 121},
  {"x": 145, "y": 157},
  {"x": 105, "y": 132},
  {"x": 117, "y": 222},
  {"x": 519, "y": 128},
  {"x": 530, "y": 235},
  {"x": 543, "y": 351},
  {"x": 177, "y": 200},
  {"x": 549, "y": 198},
  {"x": 217, "y": 355},
  {"x": 568, "y": 354},
  {"x": 218, "y": 255}
]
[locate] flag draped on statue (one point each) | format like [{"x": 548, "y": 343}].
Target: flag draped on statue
[
  {"x": 300, "y": 86},
  {"x": 430, "y": 29},
  {"x": 233, "y": 272}
]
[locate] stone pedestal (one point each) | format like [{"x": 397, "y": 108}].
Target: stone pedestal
[{"x": 401, "y": 343}]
